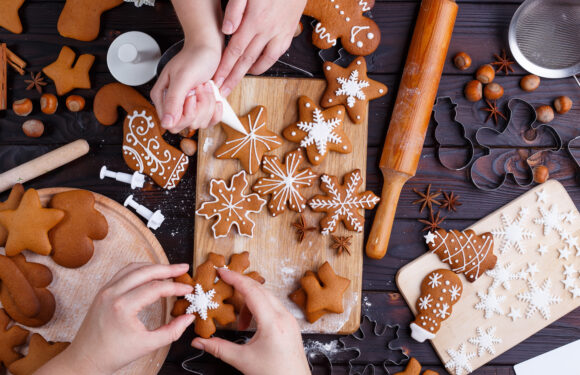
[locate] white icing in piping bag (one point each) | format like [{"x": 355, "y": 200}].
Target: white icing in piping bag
[{"x": 229, "y": 117}]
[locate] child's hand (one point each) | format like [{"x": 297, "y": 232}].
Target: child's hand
[
  {"x": 262, "y": 31},
  {"x": 182, "y": 96},
  {"x": 276, "y": 347}
]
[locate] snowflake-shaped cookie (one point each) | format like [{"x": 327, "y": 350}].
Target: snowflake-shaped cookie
[
  {"x": 485, "y": 340},
  {"x": 284, "y": 182},
  {"x": 249, "y": 148},
  {"x": 342, "y": 202},
  {"x": 539, "y": 299},
  {"x": 513, "y": 233},
  {"x": 502, "y": 275},
  {"x": 318, "y": 131},
  {"x": 231, "y": 206},
  {"x": 551, "y": 219},
  {"x": 490, "y": 303},
  {"x": 201, "y": 301},
  {"x": 459, "y": 361}
]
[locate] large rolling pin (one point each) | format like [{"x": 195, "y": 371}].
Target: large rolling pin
[
  {"x": 43, "y": 164},
  {"x": 412, "y": 113}
]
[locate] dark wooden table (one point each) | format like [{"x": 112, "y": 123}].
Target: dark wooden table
[{"x": 481, "y": 30}]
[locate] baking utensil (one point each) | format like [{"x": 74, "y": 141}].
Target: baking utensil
[
  {"x": 136, "y": 180},
  {"x": 133, "y": 58},
  {"x": 543, "y": 38},
  {"x": 154, "y": 219},
  {"x": 43, "y": 164},
  {"x": 412, "y": 112}
]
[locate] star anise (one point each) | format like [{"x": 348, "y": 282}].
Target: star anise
[
  {"x": 433, "y": 223},
  {"x": 36, "y": 82},
  {"x": 427, "y": 199},
  {"x": 302, "y": 228},
  {"x": 450, "y": 201},
  {"x": 503, "y": 63},
  {"x": 493, "y": 111},
  {"x": 341, "y": 244}
]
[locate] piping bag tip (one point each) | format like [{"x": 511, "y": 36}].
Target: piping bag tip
[{"x": 229, "y": 117}]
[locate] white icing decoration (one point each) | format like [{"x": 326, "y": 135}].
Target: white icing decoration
[
  {"x": 443, "y": 312},
  {"x": 502, "y": 276},
  {"x": 569, "y": 282},
  {"x": 455, "y": 292},
  {"x": 364, "y": 5},
  {"x": 459, "y": 361},
  {"x": 532, "y": 269},
  {"x": 514, "y": 314},
  {"x": 425, "y": 302},
  {"x": 571, "y": 241},
  {"x": 569, "y": 270},
  {"x": 354, "y": 32},
  {"x": 542, "y": 249},
  {"x": 351, "y": 88},
  {"x": 569, "y": 217},
  {"x": 320, "y": 132},
  {"x": 539, "y": 299},
  {"x": 201, "y": 302},
  {"x": 575, "y": 292},
  {"x": 541, "y": 196},
  {"x": 370, "y": 36},
  {"x": 512, "y": 233},
  {"x": 139, "y": 3},
  {"x": 323, "y": 34},
  {"x": 430, "y": 238},
  {"x": 485, "y": 341},
  {"x": 490, "y": 303},
  {"x": 550, "y": 219},
  {"x": 564, "y": 253},
  {"x": 435, "y": 280}
]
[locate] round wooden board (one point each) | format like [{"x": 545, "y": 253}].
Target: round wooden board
[{"x": 129, "y": 240}]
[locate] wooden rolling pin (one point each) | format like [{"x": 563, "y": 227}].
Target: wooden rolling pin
[
  {"x": 43, "y": 164},
  {"x": 412, "y": 112}
]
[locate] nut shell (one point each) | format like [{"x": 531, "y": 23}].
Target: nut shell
[
  {"x": 48, "y": 103},
  {"x": 530, "y": 82},
  {"x": 22, "y": 107},
  {"x": 462, "y": 61},
  {"x": 485, "y": 74},
  {"x": 33, "y": 128},
  {"x": 563, "y": 104},
  {"x": 473, "y": 91},
  {"x": 75, "y": 103},
  {"x": 545, "y": 114},
  {"x": 541, "y": 174},
  {"x": 493, "y": 91},
  {"x": 188, "y": 146}
]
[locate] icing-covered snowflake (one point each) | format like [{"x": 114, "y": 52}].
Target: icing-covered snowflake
[
  {"x": 569, "y": 282},
  {"x": 425, "y": 302},
  {"x": 490, "y": 303},
  {"x": 539, "y": 299},
  {"x": 542, "y": 249},
  {"x": 569, "y": 216},
  {"x": 352, "y": 88},
  {"x": 564, "y": 253},
  {"x": 571, "y": 241},
  {"x": 455, "y": 292},
  {"x": 459, "y": 361},
  {"x": 569, "y": 270},
  {"x": 443, "y": 312},
  {"x": 531, "y": 270},
  {"x": 435, "y": 280},
  {"x": 575, "y": 292},
  {"x": 512, "y": 232},
  {"x": 201, "y": 301},
  {"x": 320, "y": 131},
  {"x": 485, "y": 340},
  {"x": 541, "y": 196},
  {"x": 514, "y": 314},
  {"x": 502, "y": 275},
  {"x": 550, "y": 220}
]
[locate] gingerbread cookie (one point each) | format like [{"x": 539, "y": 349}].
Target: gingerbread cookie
[
  {"x": 360, "y": 36},
  {"x": 299, "y": 298},
  {"x": 10, "y": 338},
  {"x": 351, "y": 87},
  {"x": 114, "y": 95},
  {"x": 11, "y": 204},
  {"x": 318, "y": 131},
  {"x": 284, "y": 182},
  {"x": 9, "y": 18},
  {"x": 440, "y": 290},
  {"x": 28, "y": 225},
  {"x": 39, "y": 352},
  {"x": 231, "y": 206},
  {"x": 72, "y": 238},
  {"x": 465, "y": 252},
  {"x": 207, "y": 301},
  {"x": 414, "y": 368},
  {"x": 81, "y": 19},
  {"x": 342, "y": 202},
  {"x": 249, "y": 148},
  {"x": 67, "y": 76}
]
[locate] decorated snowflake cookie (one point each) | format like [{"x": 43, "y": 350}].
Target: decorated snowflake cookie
[
  {"x": 231, "y": 206},
  {"x": 490, "y": 303},
  {"x": 342, "y": 202},
  {"x": 550, "y": 219},
  {"x": 513, "y": 233},
  {"x": 539, "y": 298},
  {"x": 201, "y": 301},
  {"x": 459, "y": 361},
  {"x": 502, "y": 275},
  {"x": 485, "y": 340}
]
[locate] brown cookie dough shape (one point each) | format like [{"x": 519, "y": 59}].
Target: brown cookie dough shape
[
  {"x": 9, "y": 18},
  {"x": 299, "y": 298},
  {"x": 325, "y": 291},
  {"x": 10, "y": 338},
  {"x": 11, "y": 204},
  {"x": 72, "y": 238},
  {"x": 81, "y": 19},
  {"x": 29, "y": 224},
  {"x": 67, "y": 77},
  {"x": 351, "y": 87},
  {"x": 39, "y": 352}
]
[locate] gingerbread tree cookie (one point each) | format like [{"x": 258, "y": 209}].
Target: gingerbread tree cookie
[
  {"x": 465, "y": 252},
  {"x": 9, "y": 339},
  {"x": 318, "y": 131},
  {"x": 351, "y": 87},
  {"x": 249, "y": 148},
  {"x": 342, "y": 202},
  {"x": 231, "y": 206},
  {"x": 360, "y": 36},
  {"x": 284, "y": 182},
  {"x": 440, "y": 290},
  {"x": 68, "y": 75},
  {"x": 9, "y": 18},
  {"x": 11, "y": 204},
  {"x": 39, "y": 352}
]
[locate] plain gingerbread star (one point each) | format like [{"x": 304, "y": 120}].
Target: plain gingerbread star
[
  {"x": 10, "y": 204},
  {"x": 326, "y": 291},
  {"x": 67, "y": 77},
  {"x": 39, "y": 352},
  {"x": 351, "y": 87},
  {"x": 9, "y": 18},
  {"x": 299, "y": 298},
  {"x": 28, "y": 225},
  {"x": 9, "y": 339}
]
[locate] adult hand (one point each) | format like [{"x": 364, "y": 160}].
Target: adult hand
[
  {"x": 262, "y": 31},
  {"x": 276, "y": 347}
]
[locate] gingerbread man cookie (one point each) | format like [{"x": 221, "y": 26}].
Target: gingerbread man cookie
[
  {"x": 231, "y": 206},
  {"x": 11, "y": 204},
  {"x": 351, "y": 87},
  {"x": 10, "y": 338},
  {"x": 318, "y": 131},
  {"x": 284, "y": 182},
  {"x": 360, "y": 36},
  {"x": 81, "y": 19},
  {"x": 9, "y": 18},
  {"x": 249, "y": 148},
  {"x": 39, "y": 352},
  {"x": 67, "y": 76}
]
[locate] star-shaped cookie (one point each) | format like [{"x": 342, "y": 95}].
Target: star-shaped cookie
[
  {"x": 318, "y": 131},
  {"x": 67, "y": 77},
  {"x": 10, "y": 204},
  {"x": 249, "y": 148},
  {"x": 9, "y": 18},
  {"x": 39, "y": 352},
  {"x": 324, "y": 292},
  {"x": 351, "y": 87},
  {"x": 28, "y": 225}
]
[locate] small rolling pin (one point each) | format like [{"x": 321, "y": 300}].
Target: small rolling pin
[
  {"x": 43, "y": 164},
  {"x": 412, "y": 112}
]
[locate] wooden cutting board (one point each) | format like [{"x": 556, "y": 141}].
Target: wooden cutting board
[
  {"x": 274, "y": 249},
  {"x": 128, "y": 241},
  {"x": 465, "y": 319}
]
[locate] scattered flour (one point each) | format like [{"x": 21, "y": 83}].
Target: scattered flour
[
  {"x": 329, "y": 349},
  {"x": 207, "y": 144}
]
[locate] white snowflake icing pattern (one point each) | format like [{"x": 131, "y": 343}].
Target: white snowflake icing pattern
[
  {"x": 569, "y": 270},
  {"x": 513, "y": 233},
  {"x": 435, "y": 280},
  {"x": 490, "y": 303},
  {"x": 140, "y": 3},
  {"x": 455, "y": 292},
  {"x": 459, "y": 361},
  {"x": 564, "y": 253},
  {"x": 569, "y": 282},
  {"x": 485, "y": 340},
  {"x": 541, "y": 196},
  {"x": 550, "y": 219},
  {"x": 539, "y": 299},
  {"x": 514, "y": 314},
  {"x": 569, "y": 217},
  {"x": 320, "y": 131},
  {"x": 352, "y": 88},
  {"x": 201, "y": 301},
  {"x": 531, "y": 270},
  {"x": 571, "y": 241},
  {"x": 575, "y": 292},
  {"x": 502, "y": 275},
  {"x": 542, "y": 249},
  {"x": 443, "y": 312},
  {"x": 425, "y": 302}
]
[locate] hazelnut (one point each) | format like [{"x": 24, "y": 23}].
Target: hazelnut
[
  {"x": 75, "y": 103},
  {"x": 485, "y": 74},
  {"x": 462, "y": 61},
  {"x": 545, "y": 114},
  {"x": 22, "y": 107},
  {"x": 541, "y": 174},
  {"x": 299, "y": 29},
  {"x": 187, "y": 133},
  {"x": 530, "y": 82},
  {"x": 33, "y": 128},
  {"x": 493, "y": 91},
  {"x": 562, "y": 104},
  {"x": 48, "y": 103},
  {"x": 188, "y": 146},
  {"x": 473, "y": 91}
]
